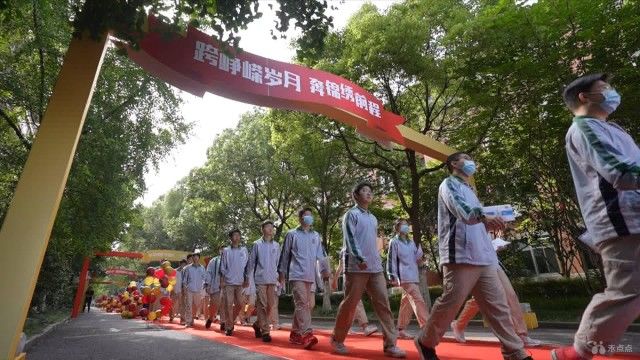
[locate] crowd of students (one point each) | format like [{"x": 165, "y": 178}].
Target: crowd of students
[{"x": 605, "y": 163}]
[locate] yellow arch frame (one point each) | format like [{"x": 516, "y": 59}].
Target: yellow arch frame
[{"x": 27, "y": 226}]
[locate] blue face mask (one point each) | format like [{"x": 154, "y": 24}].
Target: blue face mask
[
  {"x": 469, "y": 168},
  {"x": 404, "y": 229},
  {"x": 611, "y": 101},
  {"x": 307, "y": 219}
]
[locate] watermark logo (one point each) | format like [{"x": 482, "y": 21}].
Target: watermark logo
[{"x": 598, "y": 348}]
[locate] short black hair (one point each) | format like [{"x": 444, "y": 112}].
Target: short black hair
[
  {"x": 580, "y": 85},
  {"x": 304, "y": 210},
  {"x": 183, "y": 261},
  {"x": 233, "y": 231},
  {"x": 196, "y": 254},
  {"x": 360, "y": 185},
  {"x": 265, "y": 223},
  {"x": 189, "y": 256},
  {"x": 453, "y": 157}
]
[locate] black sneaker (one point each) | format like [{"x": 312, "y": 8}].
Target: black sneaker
[
  {"x": 528, "y": 358},
  {"x": 266, "y": 338},
  {"x": 229, "y": 332},
  {"x": 424, "y": 352},
  {"x": 257, "y": 330},
  {"x": 221, "y": 326},
  {"x": 208, "y": 324}
]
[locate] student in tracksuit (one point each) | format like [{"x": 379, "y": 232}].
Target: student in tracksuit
[
  {"x": 363, "y": 271},
  {"x": 193, "y": 283},
  {"x": 232, "y": 270},
  {"x": 213, "y": 288},
  {"x": 605, "y": 164},
  {"x": 403, "y": 258},
  {"x": 263, "y": 268},
  {"x": 469, "y": 264},
  {"x": 301, "y": 249}
]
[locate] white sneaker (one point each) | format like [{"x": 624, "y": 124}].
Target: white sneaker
[
  {"x": 529, "y": 341},
  {"x": 457, "y": 333},
  {"x": 403, "y": 335},
  {"x": 395, "y": 352},
  {"x": 369, "y": 329},
  {"x": 338, "y": 347}
]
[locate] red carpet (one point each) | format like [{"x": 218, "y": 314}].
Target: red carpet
[{"x": 361, "y": 347}]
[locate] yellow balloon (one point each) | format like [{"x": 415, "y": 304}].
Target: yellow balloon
[
  {"x": 155, "y": 291},
  {"x": 170, "y": 288},
  {"x": 172, "y": 281},
  {"x": 151, "y": 316},
  {"x": 148, "y": 280},
  {"x": 156, "y": 281},
  {"x": 146, "y": 290}
]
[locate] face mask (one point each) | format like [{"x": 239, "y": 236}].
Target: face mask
[
  {"x": 404, "y": 228},
  {"x": 307, "y": 219},
  {"x": 469, "y": 167},
  {"x": 611, "y": 101}
]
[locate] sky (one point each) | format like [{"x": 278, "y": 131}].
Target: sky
[{"x": 212, "y": 114}]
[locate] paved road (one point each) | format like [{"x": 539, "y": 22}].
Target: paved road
[{"x": 102, "y": 336}]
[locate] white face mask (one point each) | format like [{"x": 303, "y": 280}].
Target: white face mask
[{"x": 611, "y": 101}]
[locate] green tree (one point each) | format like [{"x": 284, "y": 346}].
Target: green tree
[
  {"x": 402, "y": 56},
  {"x": 130, "y": 126},
  {"x": 523, "y": 56},
  {"x": 324, "y": 169}
]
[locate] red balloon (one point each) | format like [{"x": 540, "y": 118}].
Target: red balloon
[
  {"x": 152, "y": 298},
  {"x": 150, "y": 271},
  {"x": 133, "y": 307},
  {"x": 144, "y": 312},
  {"x": 165, "y": 310},
  {"x": 159, "y": 274},
  {"x": 145, "y": 299},
  {"x": 164, "y": 282},
  {"x": 171, "y": 273}
]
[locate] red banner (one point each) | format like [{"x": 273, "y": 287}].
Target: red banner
[{"x": 196, "y": 63}]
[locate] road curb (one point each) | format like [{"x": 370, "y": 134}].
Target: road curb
[{"x": 33, "y": 340}]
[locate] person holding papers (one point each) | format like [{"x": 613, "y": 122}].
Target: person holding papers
[{"x": 470, "y": 265}]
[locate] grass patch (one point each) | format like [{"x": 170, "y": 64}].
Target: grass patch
[{"x": 37, "y": 322}]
